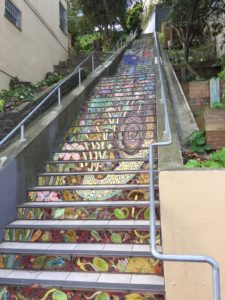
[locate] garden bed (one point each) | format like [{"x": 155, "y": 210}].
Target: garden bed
[{"x": 9, "y": 119}]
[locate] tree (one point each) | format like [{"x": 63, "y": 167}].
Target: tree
[
  {"x": 77, "y": 24},
  {"x": 134, "y": 17},
  {"x": 191, "y": 18}
]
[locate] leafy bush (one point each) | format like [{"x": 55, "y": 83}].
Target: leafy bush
[
  {"x": 2, "y": 105},
  {"x": 197, "y": 54},
  {"x": 134, "y": 17},
  {"x": 217, "y": 160},
  {"x": 85, "y": 42},
  {"x": 20, "y": 92},
  {"x": 222, "y": 76},
  {"x": 218, "y": 105},
  {"x": 197, "y": 142}
]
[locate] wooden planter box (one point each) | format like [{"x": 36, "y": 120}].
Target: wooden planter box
[{"x": 213, "y": 121}]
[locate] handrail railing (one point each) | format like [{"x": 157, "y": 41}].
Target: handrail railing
[
  {"x": 21, "y": 126},
  {"x": 173, "y": 257}
]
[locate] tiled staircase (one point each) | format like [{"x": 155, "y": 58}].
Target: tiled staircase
[{"x": 84, "y": 232}]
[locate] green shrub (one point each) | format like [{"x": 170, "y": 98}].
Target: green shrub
[{"x": 197, "y": 142}]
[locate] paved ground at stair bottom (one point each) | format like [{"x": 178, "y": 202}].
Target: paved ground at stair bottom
[{"x": 84, "y": 232}]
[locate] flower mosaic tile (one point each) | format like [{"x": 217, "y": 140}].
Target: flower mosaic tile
[{"x": 37, "y": 293}]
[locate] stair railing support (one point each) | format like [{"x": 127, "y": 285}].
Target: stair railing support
[
  {"x": 93, "y": 61},
  {"x": 79, "y": 76},
  {"x": 59, "y": 96},
  {"x": 22, "y": 133}
]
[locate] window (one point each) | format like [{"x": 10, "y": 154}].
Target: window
[
  {"x": 63, "y": 18},
  {"x": 12, "y": 13}
]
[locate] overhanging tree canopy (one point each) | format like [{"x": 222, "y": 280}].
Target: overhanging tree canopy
[{"x": 190, "y": 18}]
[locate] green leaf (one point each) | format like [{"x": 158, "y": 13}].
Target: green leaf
[
  {"x": 198, "y": 149},
  {"x": 147, "y": 214},
  {"x": 212, "y": 164},
  {"x": 200, "y": 140},
  {"x": 207, "y": 147},
  {"x": 192, "y": 163},
  {"x": 59, "y": 213},
  {"x": 100, "y": 264},
  {"x": 59, "y": 295},
  {"x": 116, "y": 238},
  {"x": 102, "y": 296}
]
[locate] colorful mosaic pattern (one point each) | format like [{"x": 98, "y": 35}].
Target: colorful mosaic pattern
[
  {"x": 72, "y": 263},
  {"x": 112, "y": 132},
  {"x": 109, "y": 164},
  {"x": 123, "y": 236},
  {"x": 89, "y": 195},
  {"x": 70, "y": 180},
  {"x": 37, "y": 293},
  {"x": 84, "y": 213}
]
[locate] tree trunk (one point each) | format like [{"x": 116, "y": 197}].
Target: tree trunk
[{"x": 186, "y": 48}]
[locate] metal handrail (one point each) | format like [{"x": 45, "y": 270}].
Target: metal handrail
[
  {"x": 173, "y": 257},
  {"x": 21, "y": 126}
]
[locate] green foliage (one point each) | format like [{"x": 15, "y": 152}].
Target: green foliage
[
  {"x": 134, "y": 17},
  {"x": 161, "y": 37},
  {"x": 218, "y": 105},
  {"x": 2, "y": 105},
  {"x": 196, "y": 55},
  {"x": 217, "y": 160},
  {"x": 50, "y": 80},
  {"x": 197, "y": 142},
  {"x": 85, "y": 42},
  {"x": 193, "y": 163},
  {"x": 191, "y": 19},
  {"x": 222, "y": 76},
  {"x": 20, "y": 92}
]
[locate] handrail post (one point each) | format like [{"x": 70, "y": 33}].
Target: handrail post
[
  {"x": 59, "y": 96},
  {"x": 93, "y": 61},
  {"x": 79, "y": 76},
  {"x": 22, "y": 133}
]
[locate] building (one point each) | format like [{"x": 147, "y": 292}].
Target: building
[
  {"x": 147, "y": 4},
  {"x": 33, "y": 35}
]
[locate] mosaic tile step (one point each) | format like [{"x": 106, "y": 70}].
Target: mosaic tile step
[
  {"x": 126, "y": 83},
  {"x": 126, "y": 94},
  {"x": 131, "y": 85},
  {"x": 118, "y": 159},
  {"x": 102, "y": 120},
  {"x": 99, "y": 129},
  {"x": 114, "y": 100},
  {"x": 123, "y": 88},
  {"x": 48, "y": 285},
  {"x": 144, "y": 78},
  {"x": 85, "y": 213},
  {"x": 102, "y": 151},
  {"x": 34, "y": 293},
  {"x": 120, "y": 101},
  {"x": 122, "y": 138},
  {"x": 80, "y": 263},
  {"x": 127, "y": 203},
  {"x": 42, "y": 232},
  {"x": 122, "y": 92},
  {"x": 59, "y": 194},
  {"x": 89, "y": 165},
  {"x": 126, "y": 115},
  {"x": 145, "y": 69},
  {"x": 80, "y": 180},
  {"x": 118, "y": 106}
]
